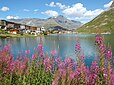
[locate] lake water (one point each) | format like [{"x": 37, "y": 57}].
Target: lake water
[{"x": 63, "y": 43}]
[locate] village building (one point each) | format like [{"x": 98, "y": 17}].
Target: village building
[
  {"x": 33, "y": 30},
  {"x": 38, "y": 31},
  {"x": 22, "y": 27},
  {"x": 3, "y": 22},
  {"x": 14, "y": 31},
  {"x": 42, "y": 29},
  {"x": 16, "y": 28}
]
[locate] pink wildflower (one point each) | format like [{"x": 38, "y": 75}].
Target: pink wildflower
[
  {"x": 102, "y": 48},
  {"x": 41, "y": 49},
  {"x": 109, "y": 54},
  {"x": 53, "y": 52},
  {"x": 34, "y": 57},
  {"x": 47, "y": 64},
  {"x": 99, "y": 39},
  {"x": 55, "y": 81},
  {"x": 57, "y": 60},
  {"x": 77, "y": 47},
  {"x": 27, "y": 52}
]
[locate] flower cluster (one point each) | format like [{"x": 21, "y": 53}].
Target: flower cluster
[{"x": 43, "y": 69}]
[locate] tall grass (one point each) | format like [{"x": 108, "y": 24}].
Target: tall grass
[{"x": 47, "y": 69}]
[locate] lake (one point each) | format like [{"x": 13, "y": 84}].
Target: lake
[{"x": 63, "y": 43}]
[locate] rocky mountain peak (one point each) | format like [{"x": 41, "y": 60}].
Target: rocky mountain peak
[{"x": 60, "y": 16}]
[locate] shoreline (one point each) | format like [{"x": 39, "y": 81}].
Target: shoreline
[
  {"x": 29, "y": 35},
  {"x": 18, "y": 35}
]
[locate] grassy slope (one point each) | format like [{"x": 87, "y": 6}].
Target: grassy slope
[{"x": 102, "y": 23}]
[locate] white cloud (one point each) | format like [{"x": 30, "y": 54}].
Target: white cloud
[
  {"x": 93, "y": 13},
  {"x": 85, "y": 19},
  {"x": 81, "y": 19},
  {"x": 26, "y": 10},
  {"x": 108, "y": 5},
  {"x": 87, "y": 16},
  {"x": 74, "y": 18},
  {"x": 12, "y": 17},
  {"x": 75, "y": 10},
  {"x": 80, "y": 13},
  {"x": 35, "y": 10},
  {"x": 4, "y": 9},
  {"x": 51, "y": 13},
  {"x": 60, "y": 5},
  {"x": 52, "y": 4}
]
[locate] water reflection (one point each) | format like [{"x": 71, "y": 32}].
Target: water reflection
[{"x": 64, "y": 44}]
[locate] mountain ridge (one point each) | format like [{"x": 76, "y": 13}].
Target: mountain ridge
[{"x": 50, "y": 23}]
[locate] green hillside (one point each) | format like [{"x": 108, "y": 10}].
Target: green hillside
[{"x": 102, "y": 23}]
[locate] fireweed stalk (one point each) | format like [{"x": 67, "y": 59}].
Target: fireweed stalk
[
  {"x": 80, "y": 74},
  {"x": 109, "y": 69},
  {"x": 105, "y": 58},
  {"x": 102, "y": 49}
]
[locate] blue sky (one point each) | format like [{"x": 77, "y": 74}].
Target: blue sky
[{"x": 79, "y": 10}]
